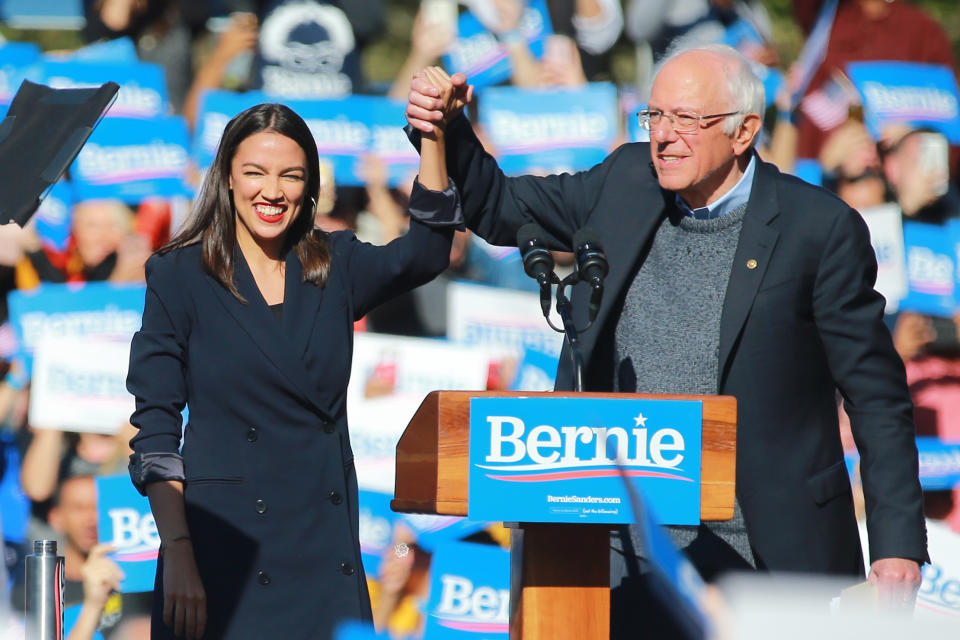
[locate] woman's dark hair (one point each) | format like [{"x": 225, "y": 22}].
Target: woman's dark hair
[{"x": 213, "y": 221}]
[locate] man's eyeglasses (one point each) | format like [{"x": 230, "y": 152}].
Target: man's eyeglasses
[{"x": 681, "y": 121}]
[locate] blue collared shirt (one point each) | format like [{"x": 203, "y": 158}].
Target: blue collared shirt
[{"x": 737, "y": 196}]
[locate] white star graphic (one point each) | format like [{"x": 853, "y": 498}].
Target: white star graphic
[{"x": 641, "y": 420}]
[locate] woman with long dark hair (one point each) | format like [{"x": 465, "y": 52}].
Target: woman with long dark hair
[{"x": 248, "y": 320}]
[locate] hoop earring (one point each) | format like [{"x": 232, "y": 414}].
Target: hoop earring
[{"x": 315, "y": 205}]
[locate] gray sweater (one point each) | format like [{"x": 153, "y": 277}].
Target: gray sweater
[{"x": 667, "y": 339}]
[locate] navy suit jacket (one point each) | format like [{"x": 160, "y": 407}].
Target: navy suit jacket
[
  {"x": 800, "y": 321},
  {"x": 270, "y": 487}
]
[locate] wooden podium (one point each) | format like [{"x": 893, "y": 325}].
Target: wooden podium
[{"x": 560, "y": 573}]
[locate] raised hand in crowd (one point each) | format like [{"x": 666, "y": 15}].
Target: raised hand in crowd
[
  {"x": 912, "y": 333},
  {"x": 561, "y": 65},
  {"x": 428, "y": 41},
  {"x": 380, "y": 202},
  {"x": 132, "y": 254},
  {"x": 101, "y": 577},
  {"x": 425, "y": 109},
  {"x": 239, "y": 37}
]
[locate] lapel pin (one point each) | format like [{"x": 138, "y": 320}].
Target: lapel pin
[{"x": 751, "y": 264}]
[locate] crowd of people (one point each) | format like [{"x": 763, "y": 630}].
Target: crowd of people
[{"x": 313, "y": 49}]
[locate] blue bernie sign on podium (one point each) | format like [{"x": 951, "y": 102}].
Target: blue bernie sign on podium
[{"x": 564, "y": 459}]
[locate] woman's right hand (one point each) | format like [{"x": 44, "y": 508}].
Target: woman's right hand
[{"x": 184, "y": 600}]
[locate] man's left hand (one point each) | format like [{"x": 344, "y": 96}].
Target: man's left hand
[{"x": 897, "y": 581}]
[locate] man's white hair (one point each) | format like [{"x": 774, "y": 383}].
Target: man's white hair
[{"x": 745, "y": 88}]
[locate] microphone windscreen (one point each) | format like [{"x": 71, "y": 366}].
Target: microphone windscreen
[
  {"x": 528, "y": 233},
  {"x": 586, "y": 236}
]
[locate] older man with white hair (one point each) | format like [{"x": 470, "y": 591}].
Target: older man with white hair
[{"x": 729, "y": 277}]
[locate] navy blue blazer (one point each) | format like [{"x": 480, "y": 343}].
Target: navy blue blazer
[
  {"x": 270, "y": 488},
  {"x": 800, "y": 321}
]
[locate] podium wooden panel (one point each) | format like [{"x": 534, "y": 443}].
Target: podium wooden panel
[{"x": 559, "y": 572}]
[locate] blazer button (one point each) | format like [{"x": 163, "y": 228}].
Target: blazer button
[
  {"x": 263, "y": 578},
  {"x": 347, "y": 569},
  {"x": 335, "y": 497},
  {"x": 261, "y": 506},
  {"x": 252, "y": 434},
  {"x": 329, "y": 427}
]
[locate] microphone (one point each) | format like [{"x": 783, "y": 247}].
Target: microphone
[
  {"x": 591, "y": 265},
  {"x": 537, "y": 261}
]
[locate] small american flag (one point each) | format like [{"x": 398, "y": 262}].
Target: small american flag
[{"x": 829, "y": 106}]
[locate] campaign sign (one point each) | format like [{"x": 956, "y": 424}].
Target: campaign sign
[
  {"x": 68, "y": 310},
  {"x": 79, "y": 384},
  {"x": 553, "y": 131},
  {"x": 537, "y": 371},
  {"x": 479, "y": 55},
  {"x": 125, "y": 521},
  {"x": 216, "y": 110},
  {"x": 376, "y": 528},
  {"x": 19, "y": 61},
  {"x": 341, "y": 129},
  {"x": 469, "y": 593},
  {"x": 117, "y": 50},
  {"x": 562, "y": 459},
  {"x": 435, "y": 531},
  {"x": 939, "y": 464},
  {"x": 931, "y": 266},
  {"x": 143, "y": 87},
  {"x": 132, "y": 160},
  {"x": 356, "y": 630},
  {"x": 886, "y": 235},
  {"x": 919, "y": 94},
  {"x": 54, "y": 215},
  {"x": 389, "y": 142}
]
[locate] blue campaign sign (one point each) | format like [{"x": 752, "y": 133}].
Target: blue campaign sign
[
  {"x": 143, "y": 87},
  {"x": 553, "y": 131},
  {"x": 70, "y": 615},
  {"x": 354, "y": 630},
  {"x": 64, "y": 310},
  {"x": 216, "y": 110},
  {"x": 345, "y": 130},
  {"x": 376, "y": 529},
  {"x": 131, "y": 160},
  {"x": 125, "y": 521},
  {"x": 118, "y": 50},
  {"x": 341, "y": 128},
  {"x": 939, "y": 464},
  {"x": 389, "y": 142},
  {"x": 537, "y": 371},
  {"x": 469, "y": 593},
  {"x": 54, "y": 215},
  {"x": 477, "y": 53},
  {"x": 931, "y": 269},
  {"x": 435, "y": 531},
  {"x": 19, "y": 61},
  {"x": 563, "y": 459},
  {"x": 918, "y": 94}
]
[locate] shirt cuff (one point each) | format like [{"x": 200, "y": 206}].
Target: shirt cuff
[
  {"x": 155, "y": 467},
  {"x": 437, "y": 208}
]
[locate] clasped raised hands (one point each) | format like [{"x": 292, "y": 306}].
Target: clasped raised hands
[{"x": 436, "y": 98}]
